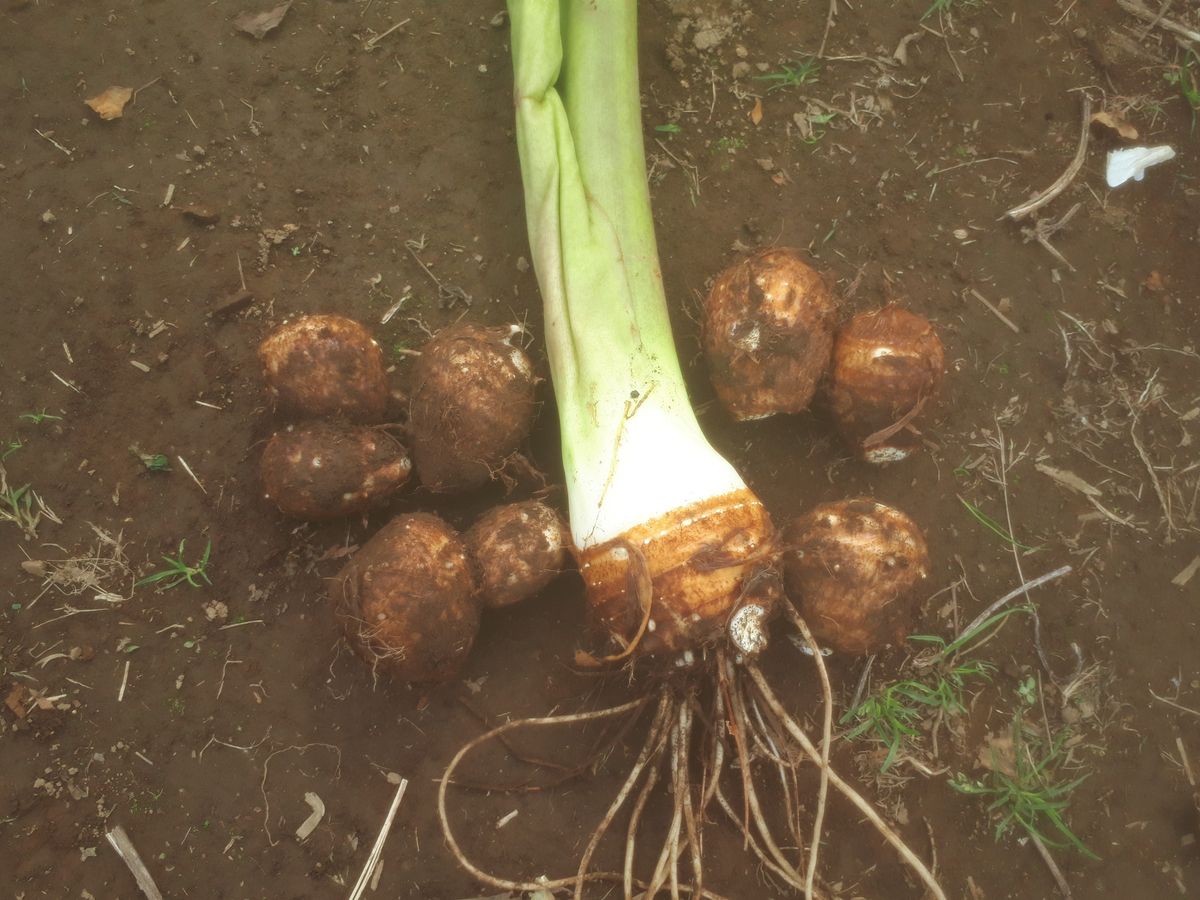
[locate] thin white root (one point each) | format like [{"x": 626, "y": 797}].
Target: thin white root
[
  {"x": 494, "y": 880},
  {"x": 885, "y": 831},
  {"x": 648, "y": 752},
  {"x": 826, "y": 741}
]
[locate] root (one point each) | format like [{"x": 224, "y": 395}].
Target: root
[
  {"x": 650, "y": 750},
  {"x": 633, "y": 706},
  {"x": 737, "y": 713},
  {"x": 826, "y": 740},
  {"x": 794, "y": 729}
]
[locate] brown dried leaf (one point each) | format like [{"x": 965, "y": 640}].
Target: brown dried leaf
[
  {"x": 1155, "y": 282},
  {"x": 110, "y": 103},
  {"x": 257, "y": 25},
  {"x": 1117, "y": 123},
  {"x": 16, "y": 700},
  {"x": 756, "y": 114},
  {"x": 998, "y": 755}
]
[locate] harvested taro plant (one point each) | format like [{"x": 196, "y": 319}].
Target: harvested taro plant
[{"x": 681, "y": 563}]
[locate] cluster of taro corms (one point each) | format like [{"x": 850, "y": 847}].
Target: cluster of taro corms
[
  {"x": 409, "y": 600},
  {"x": 772, "y": 344}
]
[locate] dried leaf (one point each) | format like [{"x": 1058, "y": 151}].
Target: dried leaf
[
  {"x": 110, "y": 103},
  {"x": 1117, "y": 123},
  {"x": 258, "y": 24},
  {"x": 1069, "y": 480},
  {"x": 756, "y": 114},
  {"x": 1189, "y": 571},
  {"x": 16, "y": 700},
  {"x": 998, "y": 755},
  {"x": 1155, "y": 282}
]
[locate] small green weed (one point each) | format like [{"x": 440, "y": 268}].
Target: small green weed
[
  {"x": 178, "y": 571},
  {"x": 1027, "y": 790},
  {"x": 669, "y": 128},
  {"x": 17, "y": 506},
  {"x": 154, "y": 462},
  {"x": 892, "y": 715},
  {"x": 729, "y": 145},
  {"x": 8, "y": 448},
  {"x": 1185, "y": 77},
  {"x": 37, "y": 418},
  {"x": 993, "y": 526},
  {"x": 815, "y": 134},
  {"x": 945, "y": 7},
  {"x": 792, "y": 76}
]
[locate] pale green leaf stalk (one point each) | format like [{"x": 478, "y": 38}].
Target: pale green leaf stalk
[{"x": 632, "y": 448}]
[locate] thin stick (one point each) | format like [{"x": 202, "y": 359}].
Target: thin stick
[
  {"x": 124, "y": 846},
  {"x": 1137, "y": 9},
  {"x": 1158, "y": 489},
  {"x": 828, "y": 25},
  {"x": 364, "y": 877},
  {"x": 1059, "y": 878},
  {"x": 1011, "y": 595},
  {"x": 371, "y": 44},
  {"x": 826, "y": 740},
  {"x": 1060, "y": 185},
  {"x": 1170, "y": 702},
  {"x": 995, "y": 311},
  {"x": 124, "y": 681},
  {"x": 133, "y": 99},
  {"x": 847, "y": 791},
  {"x": 188, "y": 469}
]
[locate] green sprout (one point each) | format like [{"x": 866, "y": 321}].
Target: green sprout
[
  {"x": 154, "y": 462},
  {"x": 178, "y": 571},
  {"x": 37, "y": 418},
  {"x": 792, "y": 76},
  {"x": 8, "y": 448},
  {"x": 669, "y": 128},
  {"x": 993, "y": 526},
  {"x": 1026, "y": 791}
]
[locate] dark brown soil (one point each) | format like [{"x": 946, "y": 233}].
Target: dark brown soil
[{"x": 341, "y": 178}]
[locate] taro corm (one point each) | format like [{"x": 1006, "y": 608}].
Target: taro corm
[
  {"x": 678, "y": 556},
  {"x": 471, "y": 406},
  {"x": 887, "y": 366},
  {"x": 325, "y": 366},
  {"x": 768, "y": 333}
]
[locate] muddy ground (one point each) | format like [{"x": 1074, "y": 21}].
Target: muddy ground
[{"x": 337, "y": 165}]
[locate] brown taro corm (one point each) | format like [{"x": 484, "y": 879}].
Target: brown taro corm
[
  {"x": 516, "y": 549},
  {"x": 406, "y": 600},
  {"x": 768, "y": 332},
  {"x": 887, "y": 366},
  {"x": 854, "y": 568},
  {"x": 325, "y": 366},
  {"x": 471, "y": 405},
  {"x": 327, "y": 471}
]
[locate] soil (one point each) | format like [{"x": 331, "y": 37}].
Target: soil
[{"x": 337, "y": 166}]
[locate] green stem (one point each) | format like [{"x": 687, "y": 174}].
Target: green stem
[{"x": 632, "y": 448}]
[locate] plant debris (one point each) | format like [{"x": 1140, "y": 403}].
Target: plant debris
[
  {"x": 259, "y": 24},
  {"x": 110, "y": 103}
]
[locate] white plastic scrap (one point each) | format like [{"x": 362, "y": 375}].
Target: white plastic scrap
[{"x": 1133, "y": 162}]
